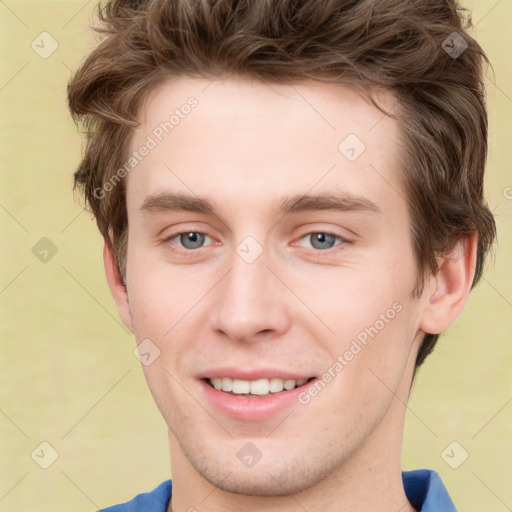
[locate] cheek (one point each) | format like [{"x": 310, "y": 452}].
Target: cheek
[
  {"x": 160, "y": 296},
  {"x": 369, "y": 296},
  {"x": 366, "y": 370},
  {"x": 370, "y": 309},
  {"x": 168, "y": 391}
]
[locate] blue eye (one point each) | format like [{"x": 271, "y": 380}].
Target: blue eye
[
  {"x": 191, "y": 239},
  {"x": 322, "y": 240}
]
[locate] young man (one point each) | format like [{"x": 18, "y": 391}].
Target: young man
[{"x": 291, "y": 199}]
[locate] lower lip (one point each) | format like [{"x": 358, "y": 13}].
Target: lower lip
[{"x": 252, "y": 409}]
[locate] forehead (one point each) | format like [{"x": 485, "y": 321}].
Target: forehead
[{"x": 240, "y": 140}]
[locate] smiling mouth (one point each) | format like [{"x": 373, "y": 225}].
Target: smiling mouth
[{"x": 255, "y": 388}]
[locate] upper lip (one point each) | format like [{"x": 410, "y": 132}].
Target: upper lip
[{"x": 251, "y": 374}]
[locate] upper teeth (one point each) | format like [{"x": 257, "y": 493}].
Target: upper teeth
[{"x": 255, "y": 387}]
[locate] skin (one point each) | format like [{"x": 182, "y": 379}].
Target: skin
[{"x": 246, "y": 146}]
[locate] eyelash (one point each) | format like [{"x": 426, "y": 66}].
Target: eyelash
[{"x": 343, "y": 241}]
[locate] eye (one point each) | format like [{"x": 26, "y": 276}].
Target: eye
[
  {"x": 190, "y": 239},
  {"x": 322, "y": 240}
]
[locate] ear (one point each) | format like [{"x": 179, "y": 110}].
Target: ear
[
  {"x": 447, "y": 291},
  {"x": 117, "y": 288}
]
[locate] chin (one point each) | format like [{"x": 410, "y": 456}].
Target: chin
[
  {"x": 275, "y": 476},
  {"x": 259, "y": 484}
]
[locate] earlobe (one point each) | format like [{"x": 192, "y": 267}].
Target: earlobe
[
  {"x": 116, "y": 285},
  {"x": 447, "y": 292}
]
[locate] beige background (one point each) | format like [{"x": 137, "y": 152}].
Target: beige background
[{"x": 68, "y": 374}]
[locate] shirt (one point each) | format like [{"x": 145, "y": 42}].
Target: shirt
[{"x": 423, "y": 488}]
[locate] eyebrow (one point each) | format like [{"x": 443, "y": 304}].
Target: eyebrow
[{"x": 336, "y": 201}]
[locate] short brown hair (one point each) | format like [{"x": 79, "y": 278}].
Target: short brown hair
[{"x": 419, "y": 50}]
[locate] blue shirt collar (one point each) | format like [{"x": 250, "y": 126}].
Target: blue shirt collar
[{"x": 423, "y": 488}]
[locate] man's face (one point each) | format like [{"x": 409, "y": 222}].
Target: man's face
[{"x": 267, "y": 287}]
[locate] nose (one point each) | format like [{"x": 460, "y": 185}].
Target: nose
[{"x": 250, "y": 301}]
